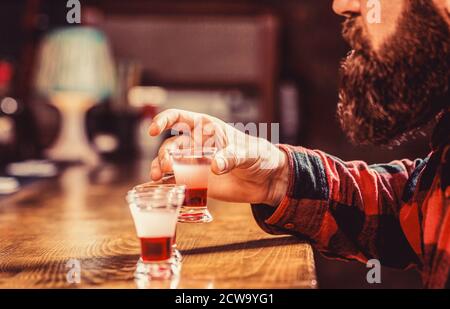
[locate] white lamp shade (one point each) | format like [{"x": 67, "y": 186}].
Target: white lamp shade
[{"x": 75, "y": 60}]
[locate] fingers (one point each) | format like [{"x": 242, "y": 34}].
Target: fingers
[
  {"x": 225, "y": 161},
  {"x": 163, "y": 153},
  {"x": 171, "y": 117},
  {"x": 155, "y": 170},
  {"x": 162, "y": 164}
]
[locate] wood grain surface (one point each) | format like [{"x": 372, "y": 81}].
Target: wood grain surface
[{"x": 82, "y": 215}]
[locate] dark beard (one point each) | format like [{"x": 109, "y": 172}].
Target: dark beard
[{"x": 387, "y": 95}]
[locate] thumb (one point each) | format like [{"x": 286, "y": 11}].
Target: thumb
[{"x": 224, "y": 161}]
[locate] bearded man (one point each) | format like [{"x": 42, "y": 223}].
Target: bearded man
[{"x": 394, "y": 81}]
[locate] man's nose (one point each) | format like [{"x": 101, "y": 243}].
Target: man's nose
[{"x": 347, "y": 7}]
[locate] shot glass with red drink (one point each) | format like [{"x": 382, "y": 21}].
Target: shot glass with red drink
[
  {"x": 155, "y": 209},
  {"x": 191, "y": 167}
]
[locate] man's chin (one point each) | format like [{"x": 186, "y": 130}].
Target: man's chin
[
  {"x": 360, "y": 130},
  {"x": 363, "y": 136},
  {"x": 365, "y": 125},
  {"x": 365, "y": 121}
]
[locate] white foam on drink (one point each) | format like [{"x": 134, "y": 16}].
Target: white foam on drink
[
  {"x": 154, "y": 223},
  {"x": 192, "y": 175}
]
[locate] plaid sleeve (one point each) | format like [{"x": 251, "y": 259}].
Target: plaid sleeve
[{"x": 348, "y": 210}]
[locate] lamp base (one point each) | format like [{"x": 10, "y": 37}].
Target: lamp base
[
  {"x": 72, "y": 143},
  {"x": 65, "y": 152}
]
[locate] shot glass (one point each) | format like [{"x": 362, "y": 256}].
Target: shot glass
[
  {"x": 168, "y": 178},
  {"x": 191, "y": 167},
  {"x": 155, "y": 209}
]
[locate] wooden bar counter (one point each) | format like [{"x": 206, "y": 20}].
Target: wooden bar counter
[{"x": 82, "y": 216}]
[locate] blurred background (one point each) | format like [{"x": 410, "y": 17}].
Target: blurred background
[{"x": 88, "y": 91}]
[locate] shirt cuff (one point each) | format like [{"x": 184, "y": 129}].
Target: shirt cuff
[{"x": 297, "y": 212}]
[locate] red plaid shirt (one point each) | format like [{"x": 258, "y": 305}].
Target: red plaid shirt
[{"x": 397, "y": 213}]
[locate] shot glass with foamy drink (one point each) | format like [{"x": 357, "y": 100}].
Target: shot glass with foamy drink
[
  {"x": 191, "y": 167},
  {"x": 155, "y": 209}
]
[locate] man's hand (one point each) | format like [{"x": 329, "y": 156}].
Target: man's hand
[{"x": 245, "y": 169}]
